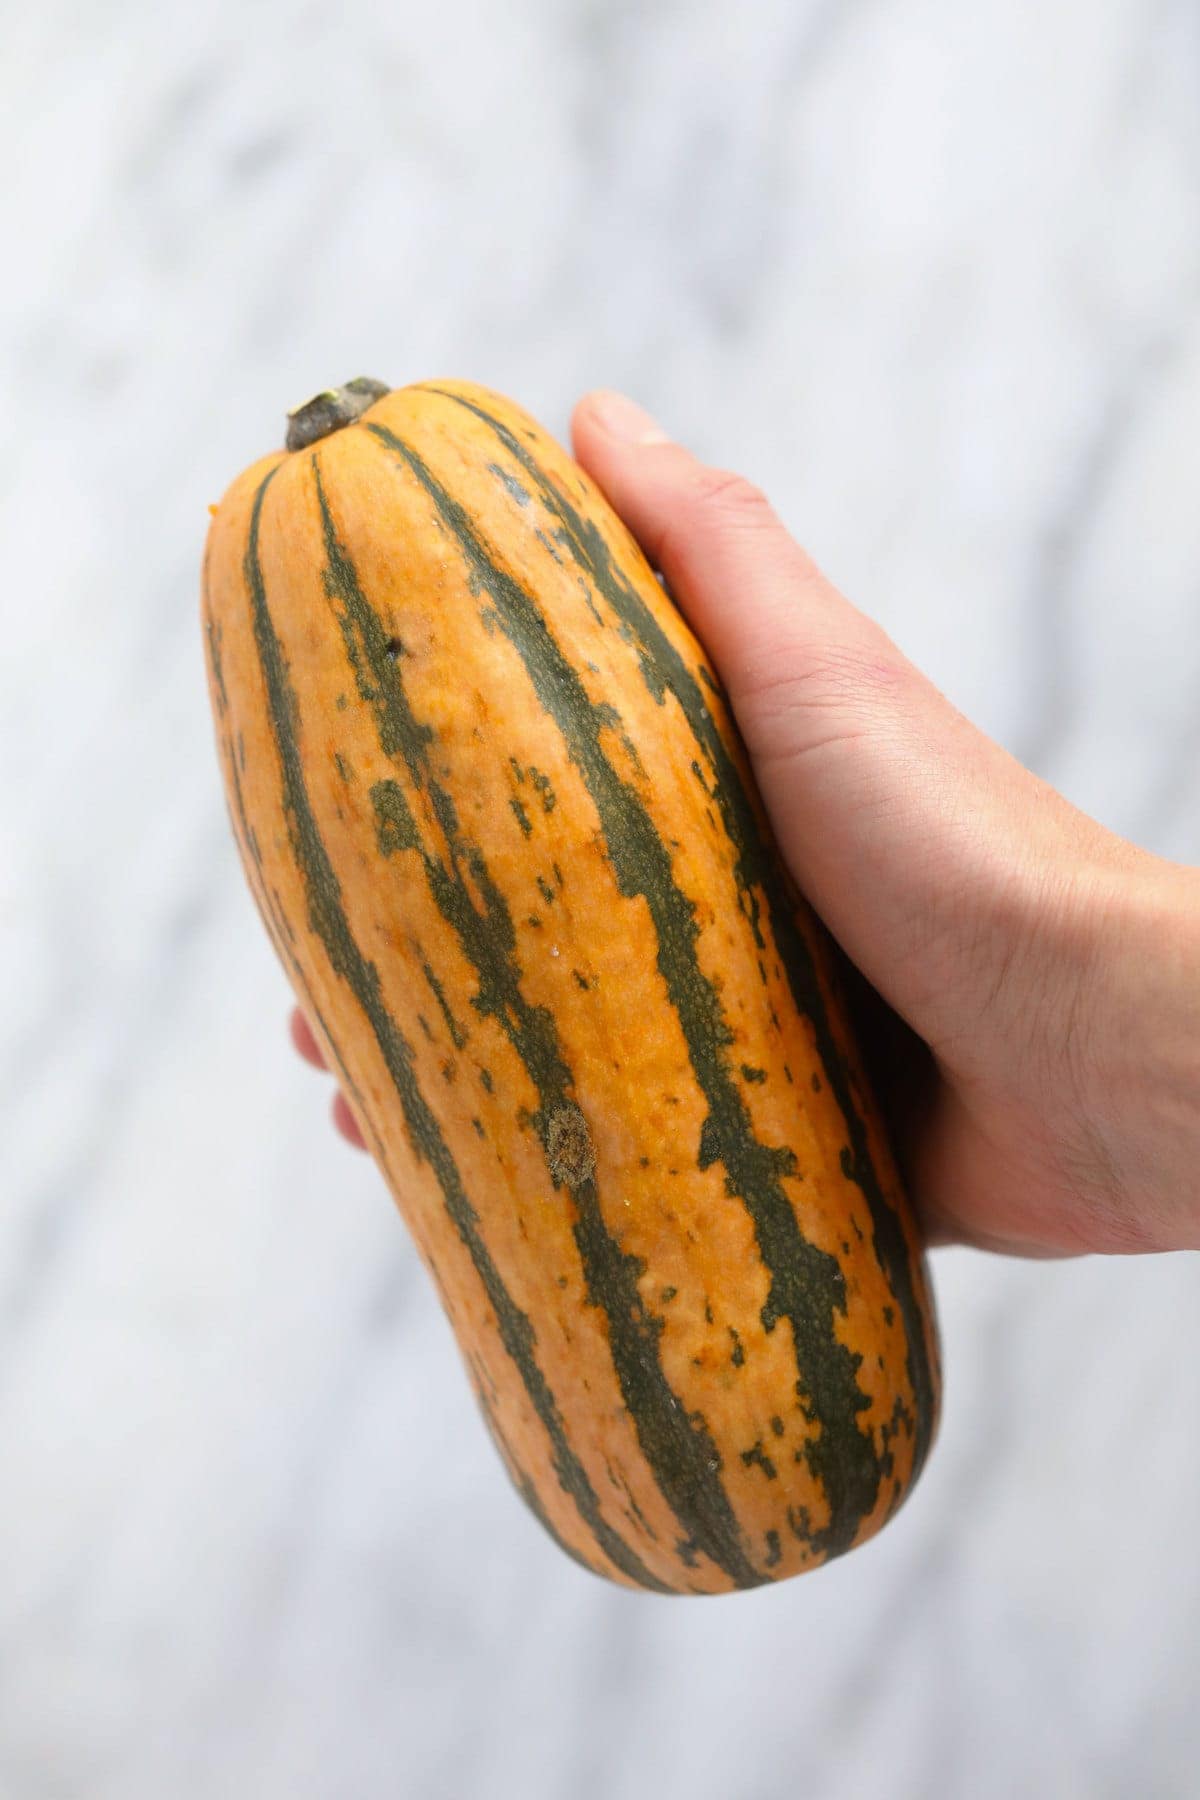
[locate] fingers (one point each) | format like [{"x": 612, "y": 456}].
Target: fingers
[
  {"x": 305, "y": 1042},
  {"x": 346, "y": 1123},
  {"x": 753, "y": 596}
]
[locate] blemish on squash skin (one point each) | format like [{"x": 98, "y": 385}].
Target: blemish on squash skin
[
  {"x": 569, "y": 1147},
  {"x": 290, "y": 929},
  {"x": 756, "y": 1455},
  {"x": 632, "y": 1511},
  {"x": 800, "y": 1523},
  {"x": 213, "y": 637},
  {"x": 542, "y": 784},
  {"x": 517, "y": 489},
  {"x": 458, "y": 1036},
  {"x": 395, "y": 828},
  {"x": 544, "y": 541}
]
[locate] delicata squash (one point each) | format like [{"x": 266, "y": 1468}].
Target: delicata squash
[{"x": 502, "y": 832}]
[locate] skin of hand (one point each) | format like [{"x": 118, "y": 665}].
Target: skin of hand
[{"x": 1026, "y": 983}]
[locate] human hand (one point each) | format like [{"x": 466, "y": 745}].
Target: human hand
[
  {"x": 310, "y": 1050},
  {"x": 1032, "y": 1019}
]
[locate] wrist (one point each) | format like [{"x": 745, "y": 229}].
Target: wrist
[{"x": 1142, "y": 1082}]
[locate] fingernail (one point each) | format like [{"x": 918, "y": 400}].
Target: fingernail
[{"x": 624, "y": 419}]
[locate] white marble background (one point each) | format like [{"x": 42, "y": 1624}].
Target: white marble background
[{"x": 931, "y": 272}]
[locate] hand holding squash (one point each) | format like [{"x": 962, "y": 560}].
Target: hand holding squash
[{"x": 1041, "y": 1065}]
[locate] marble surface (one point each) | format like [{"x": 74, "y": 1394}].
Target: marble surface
[{"x": 929, "y": 272}]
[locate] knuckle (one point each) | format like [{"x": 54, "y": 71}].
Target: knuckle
[
  {"x": 820, "y": 700},
  {"x": 718, "y": 506},
  {"x": 853, "y": 679},
  {"x": 729, "y": 498}
]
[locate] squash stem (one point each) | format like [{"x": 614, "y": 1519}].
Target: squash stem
[{"x": 330, "y": 410}]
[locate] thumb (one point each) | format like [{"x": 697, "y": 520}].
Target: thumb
[{"x": 922, "y": 844}]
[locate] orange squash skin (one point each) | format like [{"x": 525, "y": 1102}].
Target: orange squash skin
[{"x": 502, "y": 832}]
